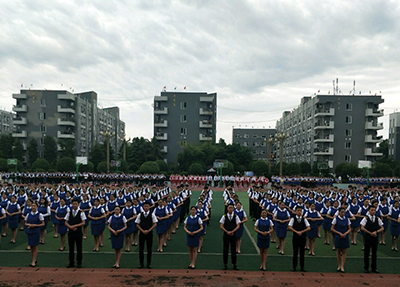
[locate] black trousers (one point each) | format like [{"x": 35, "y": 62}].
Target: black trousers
[
  {"x": 299, "y": 244},
  {"x": 371, "y": 244},
  {"x": 229, "y": 240},
  {"x": 148, "y": 240},
  {"x": 75, "y": 237}
]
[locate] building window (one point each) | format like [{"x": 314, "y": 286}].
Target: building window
[
  {"x": 347, "y": 145},
  {"x": 42, "y": 116},
  {"x": 41, "y": 141},
  {"x": 245, "y": 144},
  {"x": 347, "y": 158},
  {"x": 349, "y": 107},
  {"x": 183, "y": 105},
  {"x": 183, "y": 131},
  {"x": 349, "y": 132},
  {"x": 255, "y": 136},
  {"x": 246, "y": 136},
  {"x": 349, "y": 119},
  {"x": 41, "y": 154},
  {"x": 183, "y": 143},
  {"x": 42, "y": 103},
  {"x": 183, "y": 119},
  {"x": 43, "y": 128}
]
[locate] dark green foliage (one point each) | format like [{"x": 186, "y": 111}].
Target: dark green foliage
[
  {"x": 97, "y": 155},
  {"x": 66, "y": 164},
  {"x": 50, "y": 150},
  {"x": 259, "y": 167},
  {"x": 32, "y": 151},
  {"x": 149, "y": 167},
  {"x": 196, "y": 168},
  {"x": 67, "y": 147},
  {"x": 41, "y": 164}
]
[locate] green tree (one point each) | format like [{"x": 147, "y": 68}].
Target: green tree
[
  {"x": 40, "y": 164},
  {"x": 149, "y": 167},
  {"x": 102, "y": 167},
  {"x": 293, "y": 168},
  {"x": 18, "y": 149},
  {"x": 66, "y": 164},
  {"x": 384, "y": 148},
  {"x": 67, "y": 147},
  {"x": 228, "y": 170},
  {"x": 3, "y": 164},
  {"x": 382, "y": 169},
  {"x": 6, "y": 146},
  {"x": 32, "y": 151},
  {"x": 89, "y": 167},
  {"x": 351, "y": 169},
  {"x": 196, "y": 168},
  {"x": 97, "y": 155},
  {"x": 50, "y": 150},
  {"x": 162, "y": 165},
  {"x": 305, "y": 168},
  {"x": 259, "y": 167}
]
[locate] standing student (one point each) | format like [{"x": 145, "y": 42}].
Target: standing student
[
  {"x": 13, "y": 211},
  {"x": 299, "y": 225},
  {"x": 33, "y": 221},
  {"x": 130, "y": 214},
  {"x": 74, "y": 220},
  {"x": 146, "y": 222},
  {"x": 239, "y": 233},
  {"x": 97, "y": 216},
  {"x": 281, "y": 218},
  {"x": 116, "y": 225},
  {"x": 371, "y": 225},
  {"x": 313, "y": 217},
  {"x": 193, "y": 226},
  {"x": 60, "y": 214},
  {"x": 264, "y": 227},
  {"x": 394, "y": 215},
  {"x": 341, "y": 227},
  {"x": 229, "y": 223},
  {"x": 44, "y": 209}
]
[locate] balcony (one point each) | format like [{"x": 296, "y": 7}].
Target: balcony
[
  {"x": 164, "y": 149},
  {"x": 65, "y": 135},
  {"x": 207, "y": 99},
  {"x": 372, "y": 152},
  {"x": 20, "y": 96},
  {"x": 203, "y": 137},
  {"x": 161, "y": 111},
  {"x": 161, "y": 124},
  {"x": 327, "y": 151},
  {"x": 324, "y": 112},
  {"x": 20, "y": 108},
  {"x": 61, "y": 109},
  {"x": 161, "y": 136},
  {"x": 20, "y": 121},
  {"x": 161, "y": 99},
  {"x": 326, "y": 139},
  {"x": 373, "y": 139},
  {"x": 373, "y": 113},
  {"x": 324, "y": 125},
  {"x": 65, "y": 122},
  {"x": 67, "y": 96},
  {"x": 19, "y": 134},
  {"x": 205, "y": 112},
  {"x": 24, "y": 146},
  {"x": 205, "y": 124},
  {"x": 373, "y": 126}
]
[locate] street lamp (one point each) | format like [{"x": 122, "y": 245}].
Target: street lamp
[
  {"x": 124, "y": 142},
  {"x": 270, "y": 143},
  {"x": 281, "y": 137},
  {"x": 108, "y": 135}
]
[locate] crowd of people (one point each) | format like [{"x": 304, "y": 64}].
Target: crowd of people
[
  {"x": 340, "y": 213},
  {"x": 132, "y": 213}
]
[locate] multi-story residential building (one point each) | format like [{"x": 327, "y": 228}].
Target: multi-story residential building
[
  {"x": 64, "y": 115},
  {"x": 184, "y": 117},
  {"x": 255, "y": 139},
  {"x": 6, "y": 122},
  {"x": 394, "y": 136},
  {"x": 333, "y": 129}
]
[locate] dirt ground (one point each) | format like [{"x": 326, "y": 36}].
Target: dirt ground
[{"x": 48, "y": 277}]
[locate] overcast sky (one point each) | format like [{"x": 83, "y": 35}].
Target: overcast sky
[{"x": 261, "y": 57}]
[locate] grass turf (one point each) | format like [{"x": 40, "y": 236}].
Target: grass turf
[{"x": 176, "y": 255}]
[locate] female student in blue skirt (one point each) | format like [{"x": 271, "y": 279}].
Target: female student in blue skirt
[
  {"x": 341, "y": 228},
  {"x": 2, "y": 216},
  {"x": 162, "y": 215},
  {"x": 202, "y": 212},
  {"x": 281, "y": 219},
  {"x": 60, "y": 214},
  {"x": 193, "y": 226},
  {"x": 97, "y": 216},
  {"x": 117, "y": 225},
  {"x": 130, "y": 214},
  {"x": 55, "y": 203},
  {"x": 394, "y": 215},
  {"x": 264, "y": 227},
  {"x": 85, "y": 206},
  {"x": 44, "y": 209},
  {"x": 34, "y": 221},
  {"x": 13, "y": 211},
  {"x": 243, "y": 218},
  {"x": 313, "y": 217}
]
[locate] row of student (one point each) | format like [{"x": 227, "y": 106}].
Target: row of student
[
  {"x": 325, "y": 212},
  {"x": 227, "y": 180}
]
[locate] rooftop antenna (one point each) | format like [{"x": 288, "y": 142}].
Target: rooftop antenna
[
  {"x": 337, "y": 86},
  {"x": 334, "y": 87},
  {"x": 354, "y": 87}
]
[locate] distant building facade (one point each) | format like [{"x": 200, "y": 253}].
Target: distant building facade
[
  {"x": 332, "y": 129},
  {"x": 394, "y": 136},
  {"x": 7, "y": 122},
  {"x": 64, "y": 115},
  {"x": 256, "y": 140},
  {"x": 182, "y": 118}
]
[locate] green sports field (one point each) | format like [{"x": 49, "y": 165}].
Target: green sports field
[{"x": 176, "y": 255}]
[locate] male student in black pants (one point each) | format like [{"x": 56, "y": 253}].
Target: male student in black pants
[
  {"x": 229, "y": 223},
  {"x": 146, "y": 221},
  {"x": 74, "y": 220},
  {"x": 299, "y": 225}
]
